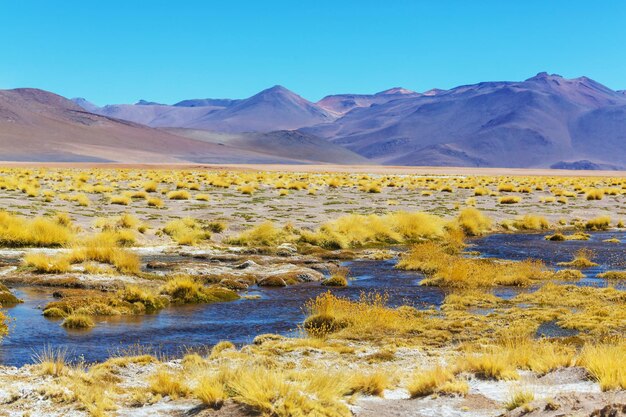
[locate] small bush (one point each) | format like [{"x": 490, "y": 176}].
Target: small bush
[{"x": 78, "y": 321}]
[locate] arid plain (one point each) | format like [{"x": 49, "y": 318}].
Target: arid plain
[{"x": 473, "y": 329}]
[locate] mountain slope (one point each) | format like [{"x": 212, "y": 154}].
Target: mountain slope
[
  {"x": 288, "y": 144},
  {"x": 37, "y": 125},
  {"x": 534, "y": 123},
  {"x": 276, "y": 108},
  {"x": 343, "y": 103}
]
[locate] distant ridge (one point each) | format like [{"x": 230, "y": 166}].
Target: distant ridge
[{"x": 544, "y": 121}]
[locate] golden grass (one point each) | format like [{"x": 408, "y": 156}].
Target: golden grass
[
  {"x": 606, "y": 362},
  {"x": 265, "y": 234},
  {"x": 582, "y": 259},
  {"x": 41, "y": 232},
  {"x": 186, "y": 231},
  {"x": 154, "y": 202},
  {"x": 356, "y": 230},
  {"x": 210, "y": 390},
  {"x": 509, "y": 200},
  {"x": 179, "y": 195},
  {"x": 425, "y": 383},
  {"x": 104, "y": 248},
  {"x": 186, "y": 290},
  {"x": 519, "y": 398},
  {"x": 528, "y": 222},
  {"x": 167, "y": 383},
  {"x": 121, "y": 200},
  {"x": 594, "y": 194},
  {"x": 46, "y": 264},
  {"x": 598, "y": 223},
  {"x": 445, "y": 269},
  {"x": 613, "y": 275},
  {"x": 473, "y": 222},
  {"x": 78, "y": 321}
]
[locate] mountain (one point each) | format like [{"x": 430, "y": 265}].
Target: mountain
[
  {"x": 538, "y": 122},
  {"x": 288, "y": 144},
  {"x": 276, "y": 108},
  {"x": 37, "y": 125},
  {"x": 343, "y": 103}
]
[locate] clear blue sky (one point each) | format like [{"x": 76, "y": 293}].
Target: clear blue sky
[{"x": 120, "y": 51}]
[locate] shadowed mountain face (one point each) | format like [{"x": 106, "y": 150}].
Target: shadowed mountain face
[{"x": 535, "y": 123}]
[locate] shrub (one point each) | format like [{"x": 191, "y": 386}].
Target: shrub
[
  {"x": 426, "y": 383},
  {"x": 606, "y": 362},
  {"x": 155, "y": 202},
  {"x": 599, "y": 223},
  {"x": 167, "y": 383},
  {"x": 186, "y": 231},
  {"x": 582, "y": 259},
  {"x": 613, "y": 275},
  {"x": 356, "y": 230},
  {"x": 78, "y": 321},
  {"x": 120, "y": 199},
  {"x": 265, "y": 234},
  {"x": 41, "y": 232},
  {"x": 509, "y": 200},
  {"x": 473, "y": 222},
  {"x": 178, "y": 195},
  {"x": 594, "y": 194},
  {"x": 46, "y": 264},
  {"x": 529, "y": 222},
  {"x": 337, "y": 279},
  {"x": 186, "y": 290},
  {"x": 519, "y": 398}
]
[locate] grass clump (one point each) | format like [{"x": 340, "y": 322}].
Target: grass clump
[
  {"x": 167, "y": 383},
  {"x": 606, "y": 362},
  {"x": 121, "y": 200},
  {"x": 528, "y": 222},
  {"x": 46, "y": 264},
  {"x": 104, "y": 248},
  {"x": 186, "y": 231},
  {"x": 355, "y": 230},
  {"x": 594, "y": 194},
  {"x": 613, "y": 275},
  {"x": 429, "y": 382},
  {"x": 509, "y": 200},
  {"x": 186, "y": 290},
  {"x": 473, "y": 222},
  {"x": 179, "y": 195},
  {"x": 40, "y": 232},
  {"x": 78, "y": 321},
  {"x": 519, "y": 398},
  {"x": 265, "y": 234},
  {"x": 599, "y": 223},
  {"x": 339, "y": 278},
  {"x": 582, "y": 259}
]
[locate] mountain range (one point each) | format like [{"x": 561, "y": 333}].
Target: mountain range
[{"x": 544, "y": 121}]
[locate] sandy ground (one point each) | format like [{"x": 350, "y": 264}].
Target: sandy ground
[{"x": 371, "y": 169}]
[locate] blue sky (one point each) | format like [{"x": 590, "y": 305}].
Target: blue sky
[{"x": 120, "y": 51}]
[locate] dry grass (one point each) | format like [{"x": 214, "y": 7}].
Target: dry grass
[
  {"x": 582, "y": 259},
  {"x": 78, "y": 321},
  {"x": 46, "y": 264},
  {"x": 356, "y": 230},
  {"x": 599, "y": 223},
  {"x": 186, "y": 290},
  {"x": 606, "y": 362},
  {"x": 186, "y": 231},
  {"x": 41, "y": 232},
  {"x": 473, "y": 222},
  {"x": 265, "y": 234},
  {"x": 425, "y": 383},
  {"x": 509, "y": 200},
  {"x": 179, "y": 195},
  {"x": 519, "y": 398}
]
